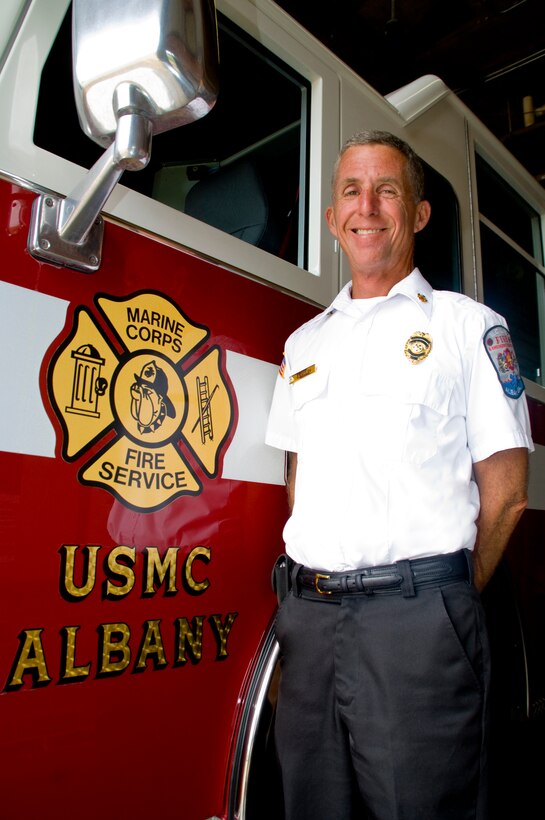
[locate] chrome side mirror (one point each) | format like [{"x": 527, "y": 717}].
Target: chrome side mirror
[{"x": 140, "y": 67}]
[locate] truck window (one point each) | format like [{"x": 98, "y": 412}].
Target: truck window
[
  {"x": 512, "y": 259},
  {"x": 437, "y": 248},
  {"x": 242, "y": 168}
]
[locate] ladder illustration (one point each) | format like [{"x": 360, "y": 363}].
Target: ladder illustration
[{"x": 204, "y": 398}]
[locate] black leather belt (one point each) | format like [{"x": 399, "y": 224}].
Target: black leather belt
[{"x": 389, "y": 579}]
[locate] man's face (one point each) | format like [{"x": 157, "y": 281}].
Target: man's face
[{"x": 374, "y": 217}]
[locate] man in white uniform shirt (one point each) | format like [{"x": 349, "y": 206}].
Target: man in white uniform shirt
[{"x": 403, "y": 415}]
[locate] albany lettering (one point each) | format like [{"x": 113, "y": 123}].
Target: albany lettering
[{"x": 118, "y": 650}]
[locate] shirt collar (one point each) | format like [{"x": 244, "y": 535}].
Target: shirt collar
[
  {"x": 413, "y": 286},
  {"x": 417, "y": 289}
]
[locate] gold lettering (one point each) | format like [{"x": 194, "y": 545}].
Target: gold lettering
[
  {"x": 70, "y": 670},
  {"x": 121, "y": 570},
  {"x": 222, "y": 632},
  {"x": 152, "y": 645},
  {"x": 115, "y": 644},
  {"x": 88, "y": 574},
  {"x": 157, "y": 569},
  {"x": 30, "y": 659},
  {"x": 114, "y": 653},
  {"x": 190, "y": 639},
  {"x": 203, "y": 554}
]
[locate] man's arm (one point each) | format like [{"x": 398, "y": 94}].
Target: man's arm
[
  {"x": 502, "y": 479},
  {"x": 291, "y": 470}
]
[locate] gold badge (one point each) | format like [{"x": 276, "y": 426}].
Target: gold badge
[
  {"x": 418, "y": 347},
  {"x": 422, "y": 297}
]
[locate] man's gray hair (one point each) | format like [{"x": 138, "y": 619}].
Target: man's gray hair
[{"x": 415, "y": 169}]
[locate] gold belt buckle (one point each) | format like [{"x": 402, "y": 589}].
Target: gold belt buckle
[{"x": 319, "y": 577}]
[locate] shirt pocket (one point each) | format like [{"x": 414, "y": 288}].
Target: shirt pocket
[
  {"x": 312, "y": 413},
  {"x": 309, "y": 387},
  {"x": 404, "y": 414}
]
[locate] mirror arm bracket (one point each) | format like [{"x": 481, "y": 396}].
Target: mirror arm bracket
[{"x": 68, "y": 231}]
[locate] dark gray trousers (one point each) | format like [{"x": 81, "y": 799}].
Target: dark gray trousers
[{"x": 382, "y": 708}]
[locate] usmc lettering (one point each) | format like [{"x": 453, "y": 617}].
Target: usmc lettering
[{"x": 79, "y": 571}]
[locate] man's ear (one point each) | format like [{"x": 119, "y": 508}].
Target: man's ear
[
  {"x": 330, "y": 218},
  {"x": 423, "y": 213}
]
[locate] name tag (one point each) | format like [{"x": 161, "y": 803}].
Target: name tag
[{"x": 302, "y": 373}]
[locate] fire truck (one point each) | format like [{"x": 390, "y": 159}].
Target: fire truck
[{"x": 164, "y": 170}]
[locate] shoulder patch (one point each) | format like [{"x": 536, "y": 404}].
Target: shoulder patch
[{"x": 500, "y": 349}]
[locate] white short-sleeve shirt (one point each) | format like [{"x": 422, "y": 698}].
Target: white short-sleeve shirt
[{"x": 387, "y": 403}]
